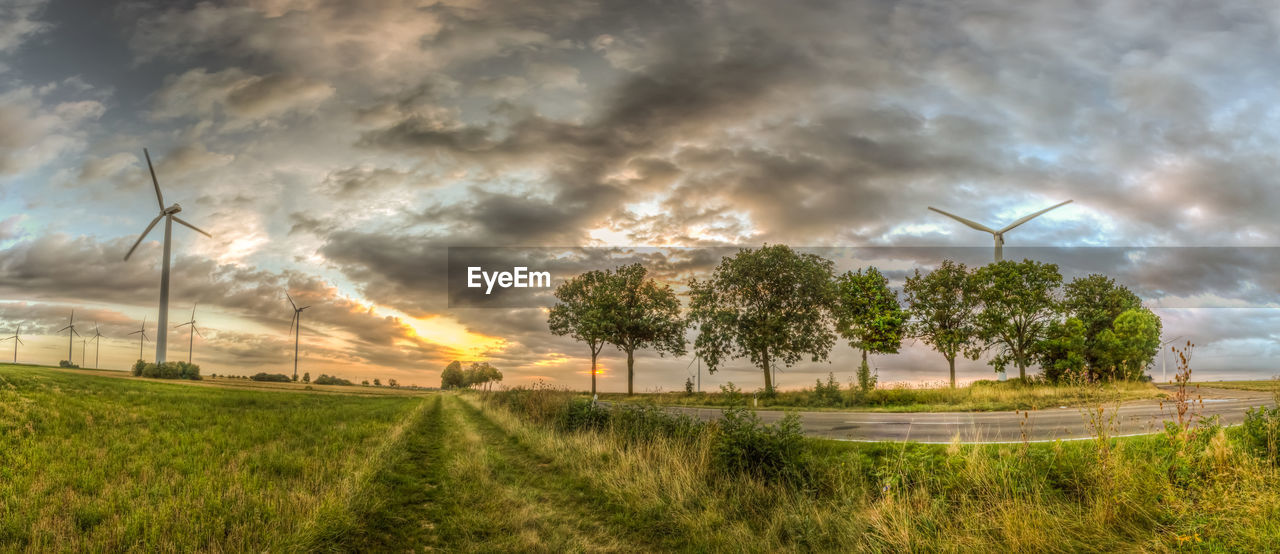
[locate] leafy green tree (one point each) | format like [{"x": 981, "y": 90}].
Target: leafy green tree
[
  {"x": 306, "y": 377},
  {"x": 377, "y": 382},
  {"x": 868, "y": 315},
  {"x": 943, "y": 306},
  {"x": 582, "y": 313},
  {"x": 770, "y": 305},
  {"x": 1096, "y": 300},
  {"x": 482, "y": 374},
  {"x": 1017, "y": 304},
  {"x": 452, "y": 376},
  {"x": 1130, "y": 346},
  {"x": 1061, "y": 353},
  {"x": 392, "y": 383},
  {"x": 642, "y": 314}
]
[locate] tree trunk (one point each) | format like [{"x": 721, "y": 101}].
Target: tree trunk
[
  {"x": 768, "y": 379},
  {"x": 1022, "y": 371},
  {"x": 593, "y": 373},
  {"x": 631, "y": 371},
  {"x": 952, "y": 362}
]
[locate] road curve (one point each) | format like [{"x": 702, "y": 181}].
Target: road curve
[{"x": 1133, "y": 418}]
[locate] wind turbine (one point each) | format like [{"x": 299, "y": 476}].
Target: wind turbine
[
  {"x": 297, "y": 330},
  {"x": 143, "y": 338},
  {"x": 97, "y": 344},
  {"x": 999, "y": 235},
  {"x": 170, "y": 215},
  {"x": 84, "y": 347},
  {"x": 194, "y": 331},
  {"x": 16, "y": 342},
  {"x": 71, "y": 326}
]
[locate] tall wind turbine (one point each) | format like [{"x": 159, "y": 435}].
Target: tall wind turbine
[
  {"x": 142, "y": 339},
  {"x": 71, "y": 326},
  {"x": 84, "y": 347},
  {"x": 170, "y": 215},
  {"x": 97, "y": 344},
  {"x": 16, "y": 342},
  {"x": 297, "y": 330},
  {"x": 194, "y": 331},
  {"x": 999, "y": 235}
]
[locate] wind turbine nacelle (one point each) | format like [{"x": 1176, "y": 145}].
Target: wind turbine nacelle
[{"x": 175, "y": 208}]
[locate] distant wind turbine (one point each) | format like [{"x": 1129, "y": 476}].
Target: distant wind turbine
[
  {"x": 297, "y": 331},
  {"x": 169, "y": 215},
  {"x": 999, "y": 235},
  {"x": 97, "y": 344},
  {"x": 194, "y": 331},
  {"x": 84, "y": 347},
  {"x": 71, "y": 326},
  {"x": 142, "y": 339},
  {"x": 16, "y": 342}
]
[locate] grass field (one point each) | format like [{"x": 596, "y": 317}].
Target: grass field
[
  {"x": 978, "y": 397},
  {"x": 94, "y": 463},
  {"x": 1270, "y": 385}
]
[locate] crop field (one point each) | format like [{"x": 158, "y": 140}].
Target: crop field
[{"x": 96, "y": 463}]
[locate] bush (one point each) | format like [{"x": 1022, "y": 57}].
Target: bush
[
  {"x": 828, "y": 394},
  {"x": 1261, "y": 431},
  {"x": 271, "y": 377},
  {"x": 68, "y": 365},
  {"x": 138, "y": 366},
  {"x": 331, "y": 380},
  {"x": 167, "y": 370},
  {"x": 770, "y": 452}
]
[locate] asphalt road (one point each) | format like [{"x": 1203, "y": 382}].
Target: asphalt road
[{"x": 1132, "y": 418}]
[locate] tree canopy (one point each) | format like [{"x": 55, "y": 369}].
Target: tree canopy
[
  {"x": 641, "y": 313},
  {"x": 1017, "y": 304},
  {"x": 582, "y": 313},
  {"x": 770, "y": 305}
]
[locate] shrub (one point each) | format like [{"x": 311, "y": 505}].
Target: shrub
[
  {"x": 138, "y": 366},
  {"x": 168, "y": 370},
  {"x": 828, "y": 394},
  {"x": 732, "y": 394},
  {"x": 271, "y": 377},
  {"x": 1261, "y": 431},
  {"x": 331, "y": 380},
  {"x": 770, "y": 452},
  {"x": 66, "y": 364}
]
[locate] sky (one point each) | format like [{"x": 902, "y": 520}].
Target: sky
[{"x": 336, "y": 149}]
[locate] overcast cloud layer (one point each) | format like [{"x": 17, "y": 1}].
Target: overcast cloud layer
[{"x": 336, "y": 149}]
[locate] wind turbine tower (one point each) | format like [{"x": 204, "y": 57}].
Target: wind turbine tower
[
  {"x": 191, "y": 341},
  {"x": 71, "y": 326},
  {"x": 169, "y": 215},
  {"x": 297, "y": 330},
  {"x": 999, "y": 235},
  {"x": 16, "y": 342}
]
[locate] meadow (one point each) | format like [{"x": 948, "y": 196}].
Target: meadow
[
  {"x": 96, "y": 463},
  {"x": 980, "y": 396}
]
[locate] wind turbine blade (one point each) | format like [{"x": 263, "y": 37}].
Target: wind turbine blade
[
  {"x": 20, "y": 341},
  {"x": 295, "y": 306},
  {"x": 193, "y": 227},
  {"x": 197, "y": 330},
  {"x": 193, "y": 311},
  {"x": 304, "y": 307},
  {"x": 1033, "y": 216},
  {"x": 291, "y": 320},
  {"x": 159, "y": 197},
  {"x": 970, "y": 223},
  {"x": 142, "y": 236},
  {"x": 64, "y": 328}
]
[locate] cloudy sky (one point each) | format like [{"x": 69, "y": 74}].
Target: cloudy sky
[{"x": 336, "y": 149}]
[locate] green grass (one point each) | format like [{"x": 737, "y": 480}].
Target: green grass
[
  {"x": 106, "y": 463},
  {"x": 978, "y": 397},
  {"x": 1271, "y": 385},
  {"x": 94, "y": 463}
]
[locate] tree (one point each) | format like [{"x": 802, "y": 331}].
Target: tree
[
  {"x": 1018, "y": 303},
  {"x": 1096, "y": 300},
  {"x": 642, "y": 314},
  {"x": 942, "y": 305},
  {"x": 1061, "y": 353},
  {"x": 481, "y": 374},
  {"x": 1129, "y": 347},
  {"x": 769, "y": 305},
  {"x": 581, "y": 313},
  {"x": 306, "y": 377},
  {"x": 867, "y": 313},
  {"x": 452, "y": 376},
  {"x": 377, "y": 382},
  {"x": 392, "y": 383}
]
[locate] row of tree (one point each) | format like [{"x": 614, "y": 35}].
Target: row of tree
[
  {"x": 479, "y": 375},
  {"x": 775, "y": 306}
]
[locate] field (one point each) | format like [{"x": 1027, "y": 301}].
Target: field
[
  {"x": 1271, "y": 385},
  {"x": 982, "y": 396},
  {"x": 93, "y": 463}
]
